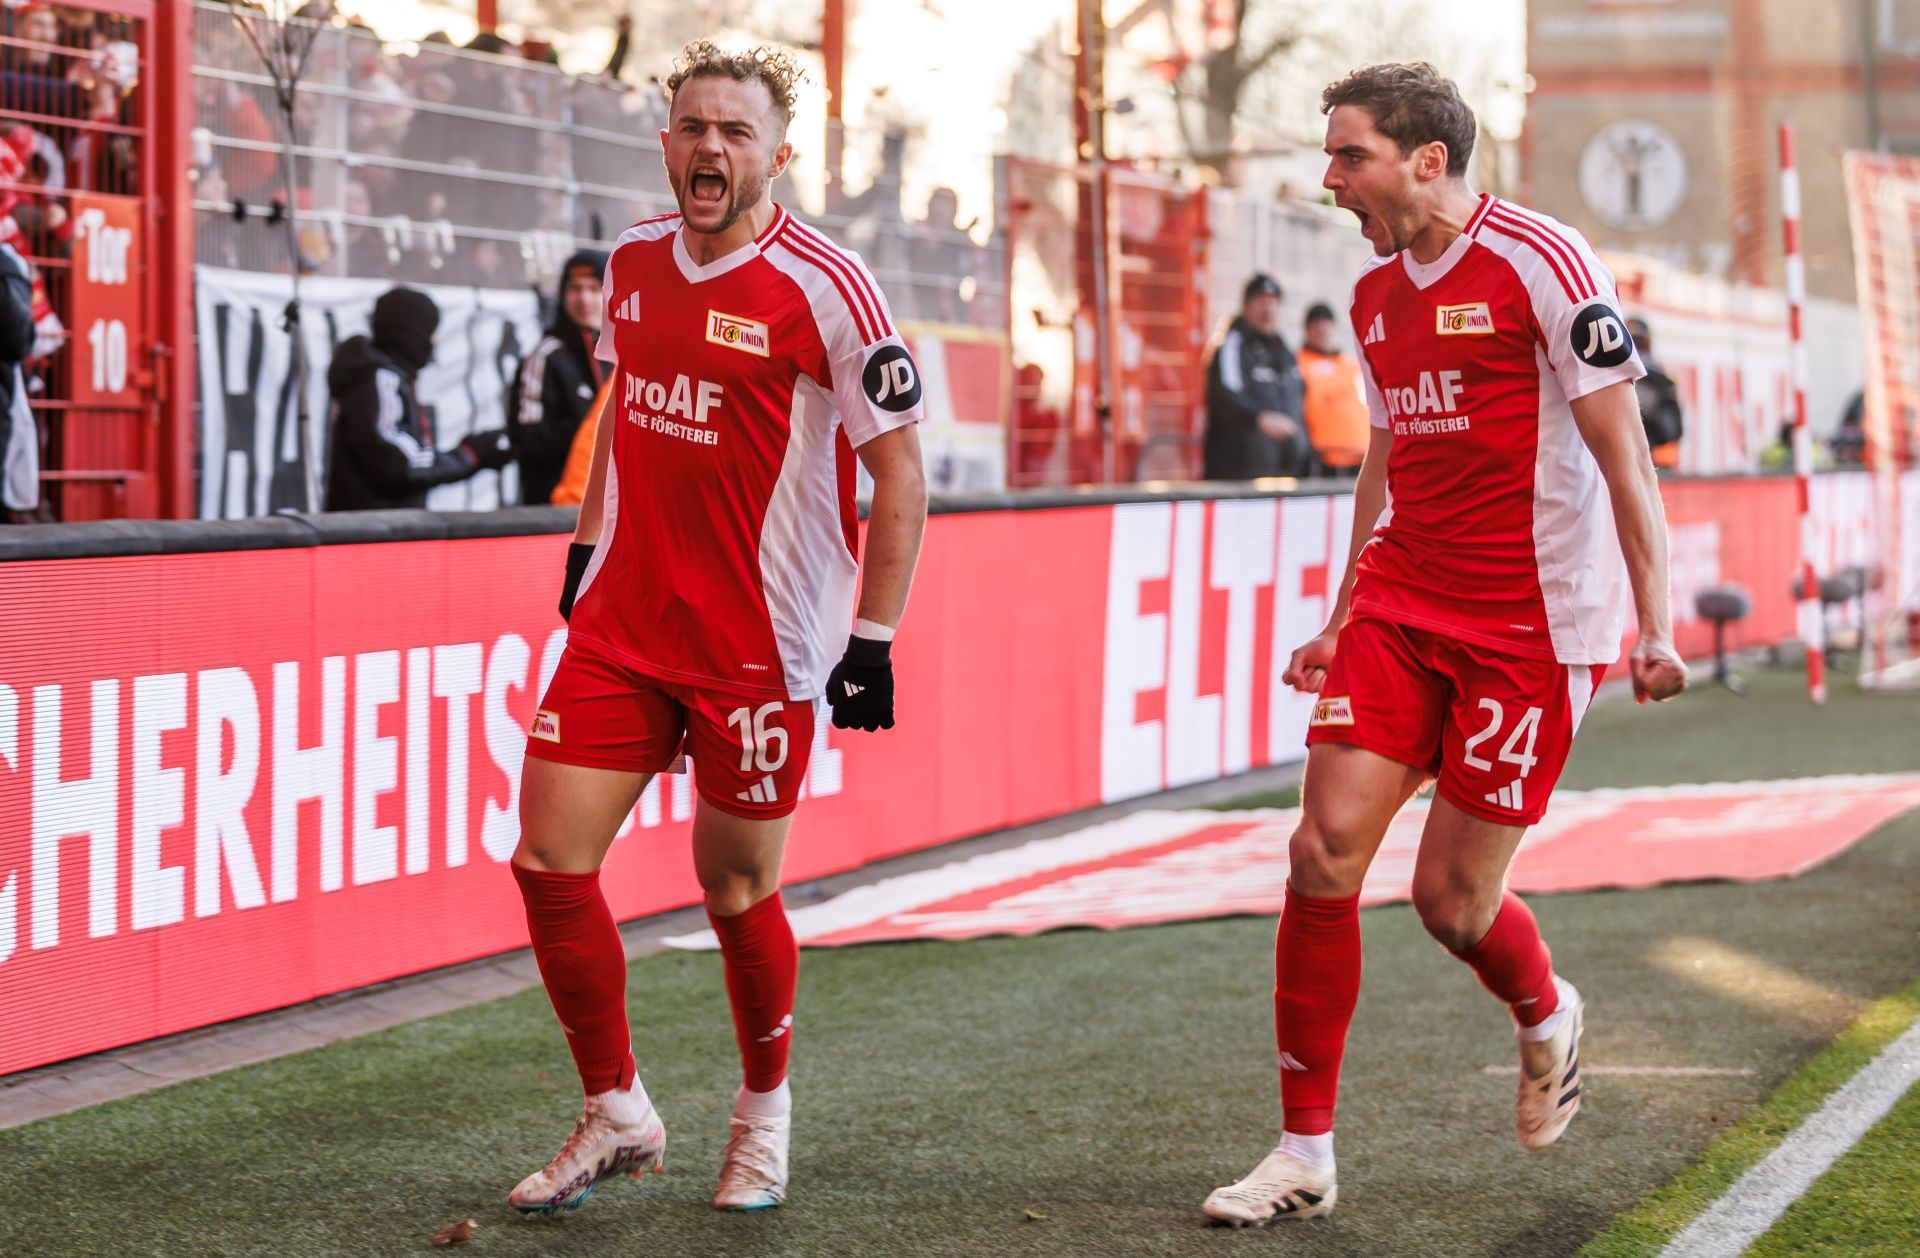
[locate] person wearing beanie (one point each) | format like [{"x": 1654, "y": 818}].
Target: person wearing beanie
[
  {"x": 555, "y": 387},
  {"x": 381, "y": 452},
  {"x": 1255, "y": 395}
]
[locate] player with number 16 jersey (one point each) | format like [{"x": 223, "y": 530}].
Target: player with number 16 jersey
[{"x": 710, "y": 590}]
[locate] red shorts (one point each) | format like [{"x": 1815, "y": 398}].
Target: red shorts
[
  {"x": 1494, "y": 728},
  {"x": 751, "y": 751}
]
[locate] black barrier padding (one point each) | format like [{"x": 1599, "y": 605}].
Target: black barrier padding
[
  {"x": 341, "y": 528},
  {"x": 100, "y": 539},
  {"x": 352, "y": 528}
]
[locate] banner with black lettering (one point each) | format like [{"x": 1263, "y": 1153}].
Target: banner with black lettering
[{"x": 251, "y": 460}]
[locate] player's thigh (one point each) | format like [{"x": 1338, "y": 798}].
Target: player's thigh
[
  {"x": 1373, "y": 738},
  {"x": 569, "y": 813},
  {"x": 737, "y": 859},
  {"x": 1509, "y": 731},
  {"x": 750, "y": 752},
  {"x": 1460, "y": 872},
  {"x": 1347, "y": 800},
  {"x": 600, "y": 732}
]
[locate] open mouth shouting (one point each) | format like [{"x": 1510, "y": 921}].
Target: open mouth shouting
[
  {"x": 1367, "y": 220},
  {"x": 707, "y": 187}
]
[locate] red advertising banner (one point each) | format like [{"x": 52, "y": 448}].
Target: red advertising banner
[
  {"x": 235, "y": 781},
  {"x": 107, "y": 310}
]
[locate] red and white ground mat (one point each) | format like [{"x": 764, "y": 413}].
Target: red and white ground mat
[{"x": 1159, "y": 866}]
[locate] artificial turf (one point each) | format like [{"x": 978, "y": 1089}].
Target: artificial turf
[{"x": 1075, "y": 1093}]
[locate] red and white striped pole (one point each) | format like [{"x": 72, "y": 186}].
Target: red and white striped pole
[{"x": 1812, "y": 628}]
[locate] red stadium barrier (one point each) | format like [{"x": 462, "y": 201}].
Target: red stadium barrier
[{"x": 235, "y": 781}]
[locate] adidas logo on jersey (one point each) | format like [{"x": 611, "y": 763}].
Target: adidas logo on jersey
[
  {"x": 761, "y": 792},
  {"x": 629, "y": 310},
  {"x": 1507, "y": 796},
  {"x": 1376, "y": 331}
]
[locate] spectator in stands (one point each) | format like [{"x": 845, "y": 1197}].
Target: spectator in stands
[
  {"x": 19, "y": 442},
  {"x": 382, "y": 452},
  {"x": 1659, "y": 400},
  {"x": 1336, "y": 402},
  {"x": 1254, "y": 395},
  {"x": 945, "y": 263},
  {"x": 622, "y": 49},
  {"x": 557, "y": 382}
]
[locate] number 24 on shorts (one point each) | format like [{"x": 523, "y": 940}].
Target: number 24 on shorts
[{"x": 1510, "y": 751}]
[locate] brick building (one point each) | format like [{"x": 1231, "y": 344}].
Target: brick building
[{"x": 1651, "y": 123}]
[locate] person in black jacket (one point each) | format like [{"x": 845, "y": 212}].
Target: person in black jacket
[
  {"x": 382, "y": 452},
  {"x": 1255, "y": 395},
  {"x": 1659, "y": 398},
  {"x": 556, "y": 385},
  {"x": 19, "y": 439}
]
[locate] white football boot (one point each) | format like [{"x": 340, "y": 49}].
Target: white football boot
[
  {"x": 617, "y": 1133},
  {"x": 1281, "y": 1187},
  {"x": 1550, "y": 1076},
  {"x": 754, "y": 1174}
]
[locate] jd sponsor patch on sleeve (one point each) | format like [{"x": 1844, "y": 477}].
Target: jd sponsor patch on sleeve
[{"x": 1599, "y": 337}]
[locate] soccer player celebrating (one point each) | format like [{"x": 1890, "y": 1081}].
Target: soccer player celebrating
[
  {"x": 1506, "y": 480},
  {"x": 710, "y": 581}
]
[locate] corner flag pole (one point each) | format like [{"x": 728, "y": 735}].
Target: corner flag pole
[{"x": 1811, "y": 620}]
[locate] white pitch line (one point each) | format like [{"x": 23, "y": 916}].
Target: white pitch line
[
  {"x": 1759, "y": 1197},
  {"x": 1653, "y": 1072}
]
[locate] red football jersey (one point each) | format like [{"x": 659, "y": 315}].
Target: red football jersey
[
  {"x": 1498, "y": 528},
  {"x": 729, "y": 551}
]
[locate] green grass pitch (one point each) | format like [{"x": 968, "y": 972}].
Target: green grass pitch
[{"x": 1077, "y": 1093}]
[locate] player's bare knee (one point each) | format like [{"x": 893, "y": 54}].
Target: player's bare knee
[
  {"x": 728, "y": 893},
  {"x": 1318, "y": 866},
  {"x": 1451, "y": 918}
]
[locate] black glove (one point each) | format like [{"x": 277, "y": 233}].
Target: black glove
[
  {"x": 860, "y": 688},
  {"x": 490, "y": 451},
  {"x": 578, "y": 555}
]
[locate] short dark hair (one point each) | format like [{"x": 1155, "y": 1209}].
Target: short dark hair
[
  {"x": 774, "y": 68},
  {"x": 1411, "y": 103},
  {"x": 1318, "y": 311}
]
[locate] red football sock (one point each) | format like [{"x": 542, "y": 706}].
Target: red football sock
[
  {"x": 763, "y": 968},
  {"x": 1513, "y": 962},
  {"x": 584, "y": 966},
  {"x": 1316, "y": 970}
]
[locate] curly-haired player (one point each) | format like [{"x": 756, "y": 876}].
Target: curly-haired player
[{"x": 710, "y": 582}]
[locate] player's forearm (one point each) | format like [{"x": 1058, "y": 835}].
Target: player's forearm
[
  {"x": 1641, "y": 523},
  {"x": 896, "y": 523},
  {"x": 1609, "y": 423}
]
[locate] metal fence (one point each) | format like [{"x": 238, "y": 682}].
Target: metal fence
[
  {"x": 76, "y": 87},
  {"x": 432, "y": 164}
]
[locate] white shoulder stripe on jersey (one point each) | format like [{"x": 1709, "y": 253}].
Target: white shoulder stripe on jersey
[
  {"x": 852, "y": 273},
  {"x": 855, "y": 286},
  {"x": 1556, "y": 238},
  {"x": 1526, "y": 242}
]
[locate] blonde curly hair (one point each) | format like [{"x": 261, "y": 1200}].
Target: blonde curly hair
[{"x": 775, "y": 68}]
